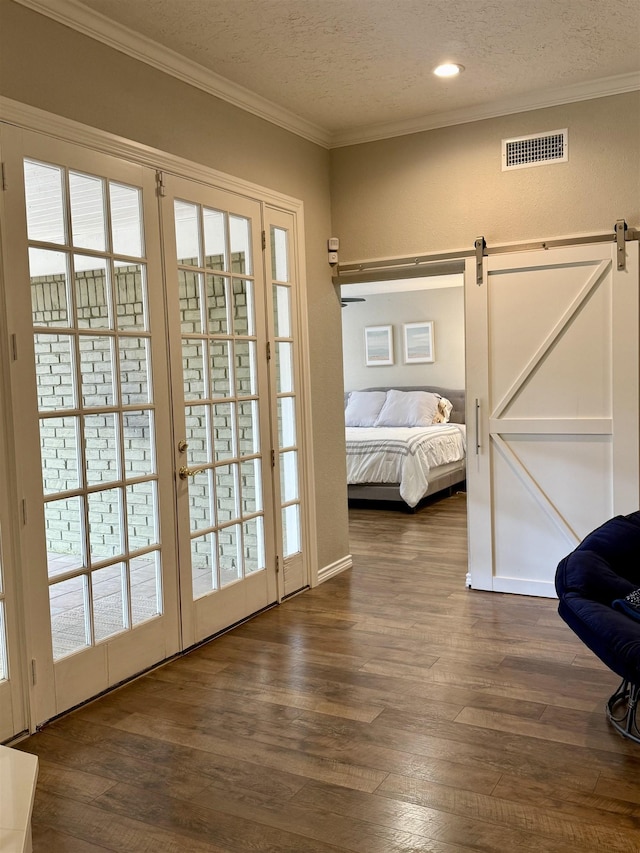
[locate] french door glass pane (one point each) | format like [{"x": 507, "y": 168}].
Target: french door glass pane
[
  {"x": 201, "y": 513},
  {"x": 284, "y": 367},
  {"x": 279, "y": 254},
  {"x": 193, "y": 368},
  {"x": 130, "y": 285},
  {"x": 189, "y": 284},
  {"x": 70, "y": 622},
  {"x": 135, "y": 371},
  {"x": 138, "y": 443},
  {"x": 243, "y": 319},
  {"x": 248, "y": 428},
  {"x": 91, "y": 281},
  {"x": 96, "y": 371},
  {"x": 219, "y": 362},
  {"x": 251, "y": 486},
  {"x": 108, "y": 587},
  {"x": 102, "y": 445},
  {"x": 254, "y": 545},
  {"x": 217, "y": 305},
  {"x": 59, "y": 454},
  {"x": 231, "y": 559},
  {"x": 142, "y": 515},
  {"x": 282, "y": 310},
  {"x": 226, "y": 491},
  {"x": 291, "y": 529},
  {"x": 87, "y": 202},
  {"x": 64, "y": 526},
  {"x": 215, "y": 242},
  {"x": 224, "y": 431},
  {"x": 220, "y": 368},
  {"x": 55, "y": 381},
  {"x": 204, "y": 565},
  {"x": 187, "y": 233},
  {"x": 45, "y": 193},
  {"x": 286, "y": 422},
  {"x": 245, "y": 368},
  {"x": 105, "y": 524},
  {"x": 197, "y": 434},
  {"x": 49, "y": 288},
  {"x": 289, "y": 476},
  {"x": 146, "y": 587},
  {"x": 95, "y": 397},
  {"x": 126, "y": 220},
  {"x": 240, "y": 240}
]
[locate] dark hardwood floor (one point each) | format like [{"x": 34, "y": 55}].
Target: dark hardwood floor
[{"x": 390, "y": 710}]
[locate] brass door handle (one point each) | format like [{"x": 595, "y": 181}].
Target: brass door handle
[{"x": 185, "y": 472}]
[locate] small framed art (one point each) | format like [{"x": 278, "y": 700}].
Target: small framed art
[
  {"x": 378, "y": 345},
  {"x": 418, "y": 342}
]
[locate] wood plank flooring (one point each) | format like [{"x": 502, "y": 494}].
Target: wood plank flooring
[{"x": 390, "y": 710}]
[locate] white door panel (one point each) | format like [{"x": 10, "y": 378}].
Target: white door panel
[
  {"x": 91, "y": 400},
  {"x": 218, "y": 344},
  {"x": 552, "y": 377}
]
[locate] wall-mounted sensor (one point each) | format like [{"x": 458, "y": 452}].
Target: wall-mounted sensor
[
  {"x": 333, "y": 244},
  {"x": 333, "y": 258}
]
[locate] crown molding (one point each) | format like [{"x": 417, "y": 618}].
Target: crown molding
[
  {"x": 40, "y": 121},
  {"x": 95, "y": 25},
  {"x": 73, "y": 14},
  {"x": 601, "y": 88}
]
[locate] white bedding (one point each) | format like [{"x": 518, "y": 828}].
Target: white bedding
[{"x": 403, "y": 455}]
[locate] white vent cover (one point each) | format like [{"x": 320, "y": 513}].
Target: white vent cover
[{"x": 536, "y": 149}]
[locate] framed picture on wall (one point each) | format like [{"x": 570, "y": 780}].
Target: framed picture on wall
[
  {"x": 418, "y": 343},
  {"x": 378, "y": 345}
]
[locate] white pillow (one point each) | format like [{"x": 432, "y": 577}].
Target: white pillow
[
  {"x": 363, "y": 408},
  {"x": 408, "y": 409}
]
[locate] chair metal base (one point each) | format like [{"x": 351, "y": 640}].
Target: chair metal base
[{"x": 622, "y": 708}]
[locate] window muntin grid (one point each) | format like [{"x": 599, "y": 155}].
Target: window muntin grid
[
  {"x": 288, "y": 452},
  {"x": 95, "y": 399},
  {"x": 222, "y": 409}
]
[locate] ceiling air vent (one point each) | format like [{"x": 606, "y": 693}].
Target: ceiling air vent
[{"x": 535, "y": 150}]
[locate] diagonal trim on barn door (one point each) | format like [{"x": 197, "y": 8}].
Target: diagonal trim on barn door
[
  {"x": 590, "y": 285},
  {"x": 535, "y": 490}
]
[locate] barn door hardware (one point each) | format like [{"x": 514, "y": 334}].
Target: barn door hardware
[
  {"x": 480, "y": 245},
  {"x": 621, "y": 231}
]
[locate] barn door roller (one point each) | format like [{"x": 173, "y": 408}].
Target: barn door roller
[
  {"x": 621, "y": 234},
  {"x": 480, "y": 245}
]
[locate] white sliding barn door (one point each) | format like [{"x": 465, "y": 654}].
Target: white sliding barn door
[{"x": 552, "y": 408}]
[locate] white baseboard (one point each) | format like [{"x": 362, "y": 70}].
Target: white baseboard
[{"x": 334, "y": 569}]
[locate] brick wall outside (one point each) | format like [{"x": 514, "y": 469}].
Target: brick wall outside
[{"x": 55, "y": 351}]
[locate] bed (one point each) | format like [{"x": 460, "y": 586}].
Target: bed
[{"x": 395, "y": 451}]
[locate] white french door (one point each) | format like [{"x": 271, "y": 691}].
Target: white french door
[
  {"x": 155, "y": 379},
  {"x": 90, "y": 391},
  {"x": 222, "y": 443},
  {"x": 288, "y": 487},
  {"x": 552, "y": 408}
]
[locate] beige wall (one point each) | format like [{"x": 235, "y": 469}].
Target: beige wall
[
  {"x": 441, "y": 189},
  {"x": 49, "y": 66},
  {"x": 444, "y": 306}
]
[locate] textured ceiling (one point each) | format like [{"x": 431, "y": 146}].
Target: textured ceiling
[{"x": 348, "y": 64}]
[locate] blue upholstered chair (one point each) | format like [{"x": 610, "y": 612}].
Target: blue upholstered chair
[{"x": 603, "y": 569}]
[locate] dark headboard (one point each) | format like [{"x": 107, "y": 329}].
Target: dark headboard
[{"x": 455, "y": 396}]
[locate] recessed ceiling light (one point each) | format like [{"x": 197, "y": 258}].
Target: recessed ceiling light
[{"x": 449, "y": 69}]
